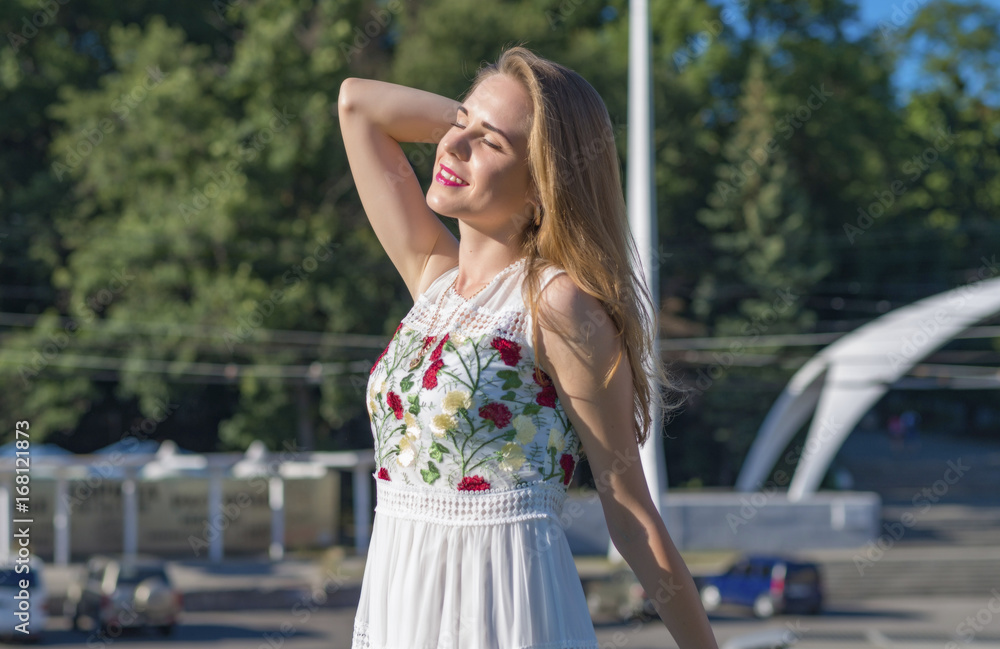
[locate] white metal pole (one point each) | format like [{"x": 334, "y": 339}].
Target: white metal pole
[
  {"x": 276, "y": 500},
  {"x": 216, "y": 520},
  {"x": 641, "y": 200},
  {"x": 5, "y": 524},
  {"x": 60, "y": 520},
  {"x": 362, "y": 505},
  {"x": 130, "y": 508}
]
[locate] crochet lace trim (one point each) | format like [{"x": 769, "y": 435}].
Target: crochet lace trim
[
  {"x": 466, "y": 320},
  {"x": 444, "y": 310},
  {"x": 465, "y": 508}
]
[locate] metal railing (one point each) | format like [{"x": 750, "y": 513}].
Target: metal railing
[{"x": 216, "y": 466}]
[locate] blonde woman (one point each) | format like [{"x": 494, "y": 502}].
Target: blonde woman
[{"x": 523, "y": 353}]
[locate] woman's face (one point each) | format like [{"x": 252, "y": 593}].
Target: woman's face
[{"x": 480, "y": 170}]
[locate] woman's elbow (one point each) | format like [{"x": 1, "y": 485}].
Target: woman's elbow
[{"x": 347, "y": 98}]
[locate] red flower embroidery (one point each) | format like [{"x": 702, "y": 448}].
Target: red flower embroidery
[
  {"x": 473, "y": 483},
  {"x": 498, "y": 413},
  {"x": 510, "y": 352},
  {"x": 436, "y": 354},
  {"x": 547, "y": 397},
  {"x": 395, "y": 403},
  {"x": 400, "y": 326},
  {"x": 431, "y": 375},
  {"x": 567, "y": 463},
  {"x": 383, "y": 474}
]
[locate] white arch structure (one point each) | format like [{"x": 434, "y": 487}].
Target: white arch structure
[{"x": 843, "y": 381}]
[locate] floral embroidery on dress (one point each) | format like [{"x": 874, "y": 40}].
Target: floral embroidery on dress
[
  {"x": 473, "y": 414},
  {"x": 473, "y": 483}
]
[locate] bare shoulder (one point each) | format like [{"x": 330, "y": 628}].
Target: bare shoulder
[{"x": 567, "y": 312}]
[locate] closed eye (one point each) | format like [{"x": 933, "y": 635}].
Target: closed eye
[{"x": 488, "y": 143}]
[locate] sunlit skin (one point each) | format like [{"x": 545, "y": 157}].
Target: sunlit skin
[{"x": 487, "y": 147}]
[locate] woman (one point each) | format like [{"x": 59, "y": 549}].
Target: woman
[{"x": 527, "y": 338}]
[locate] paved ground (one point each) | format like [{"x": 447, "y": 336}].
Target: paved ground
[{"x": 896, "y": 623}]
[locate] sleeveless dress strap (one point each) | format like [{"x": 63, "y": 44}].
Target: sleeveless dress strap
[{"x": 439, "y": 284}]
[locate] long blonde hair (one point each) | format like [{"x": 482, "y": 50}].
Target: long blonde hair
[{"x": 584, "y": 224}]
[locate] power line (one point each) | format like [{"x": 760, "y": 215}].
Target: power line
[
  {"x": 213, "y": 332},
  {"x": 790, "y": 340},
  {"x": 313, "y": 371}
]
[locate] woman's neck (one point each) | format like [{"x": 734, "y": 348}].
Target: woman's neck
[{"x": 481, "y": 256}]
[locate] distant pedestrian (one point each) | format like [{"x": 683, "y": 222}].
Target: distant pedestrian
[
  {"x": 910, "y": 423},
  {"x": 895, "y": 430}
]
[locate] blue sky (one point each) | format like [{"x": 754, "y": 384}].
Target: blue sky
[
  {"x": 874, "y": 10},
  {"x": 871, "y": 12}
]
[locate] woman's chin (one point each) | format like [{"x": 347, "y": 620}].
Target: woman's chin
[{"x": 438, "y": 206}]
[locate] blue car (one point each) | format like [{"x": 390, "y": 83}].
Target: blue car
[{"x": 767, "y": 585}]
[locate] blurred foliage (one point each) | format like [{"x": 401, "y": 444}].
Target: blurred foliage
[{"x": 180, "y": 232}]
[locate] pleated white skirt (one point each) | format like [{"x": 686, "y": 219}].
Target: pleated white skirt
[{"x": 470, "y": 570}]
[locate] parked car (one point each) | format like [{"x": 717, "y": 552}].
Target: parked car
[
  {"x": 133, "y": 593},
  {"x": 767, "y": 585},
  {"x": 11, "y": 596}
]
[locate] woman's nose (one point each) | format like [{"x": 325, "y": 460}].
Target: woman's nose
[{"x": 455, "y": 143}]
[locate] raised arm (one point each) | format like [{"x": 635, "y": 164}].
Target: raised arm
[{"x": 375, "y": 117}]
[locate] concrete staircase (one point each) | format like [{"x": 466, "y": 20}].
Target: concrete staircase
[
  {"x": 901, "y": 571},
  {"x": 940, "y": 527}
]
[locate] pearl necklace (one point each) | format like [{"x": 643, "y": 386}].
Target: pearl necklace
[{"x": 437, "y": 311}]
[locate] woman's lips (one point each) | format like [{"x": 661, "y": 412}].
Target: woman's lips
[{"x": 449, "y": 178}]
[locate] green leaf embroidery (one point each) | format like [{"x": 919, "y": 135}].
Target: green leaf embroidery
[
  {"x": 431, "y": 473},
  {"x": 532, "y": 408},
  {"x": 509, "y": 396},
  {"x": 406, "y": 383},
  {"x": 414, "y": 404},
  {"x": 511, "y": 379},
  {"x": 437, "y": 451},
  {"x": 448, "y": 346}
]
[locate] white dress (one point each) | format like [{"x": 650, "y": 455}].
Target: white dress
[{"x": 474, "y": 453}]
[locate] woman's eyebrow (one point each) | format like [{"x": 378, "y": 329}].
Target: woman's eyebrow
[{"x": 486, "y": 125}]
